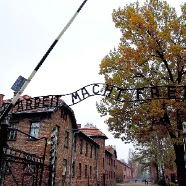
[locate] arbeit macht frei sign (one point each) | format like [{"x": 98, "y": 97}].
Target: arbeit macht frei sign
[{"x": 110, "y": 91}]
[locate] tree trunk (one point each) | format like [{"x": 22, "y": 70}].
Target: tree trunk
[
  {"x": 180, "y": 164},
  {"x": 157, "y": 174}
]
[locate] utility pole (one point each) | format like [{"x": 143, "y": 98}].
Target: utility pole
[{"x": 22, "y": 86}]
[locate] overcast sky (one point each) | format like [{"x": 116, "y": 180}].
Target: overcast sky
[{"x": 28, "y": 28}]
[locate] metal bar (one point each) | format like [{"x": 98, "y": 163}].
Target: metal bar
[
  {"x": 42, "y": 168},
  {"x": 3, "y": 128},
  {"x": 16, "y": 97},
  {"x": 36, "y": 139},
  {"x": 37, "y": 167},
  {"x": 14, "y": 178},
  {"x": 23, "y": 159}
]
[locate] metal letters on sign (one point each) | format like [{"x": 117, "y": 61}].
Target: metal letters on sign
[{"x": 110, "y": 91}]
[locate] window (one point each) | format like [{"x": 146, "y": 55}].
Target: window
[
  {"x": 64, "y": 167},
  {"x": 75, "y": 142},
  {"x": 66, "y": 138},
  {"x": 95, "y": 153},
  {"x": 90, "y": 171},
  {"x": 34, "y": 129},
  {"x": 64, "y": 114},
  {"x": 91, "y": 151},
  {"x": 81, "y": 147},
  {"x": 79, "y": 170},
  {"x": 95, "y": 172},
  {"x": 73, "y": 169},
  {"x": 12, "y": 133},
  {"x": 85, "y": 171},
  {"x": 86, "y": 152}
]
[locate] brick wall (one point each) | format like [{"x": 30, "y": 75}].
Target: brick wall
[
  {"x": 47, "y": 122},
  {"x": 87, "y": 159},
  {"x": 95, "y": 161}
]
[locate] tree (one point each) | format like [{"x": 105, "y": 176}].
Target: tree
[
  {"x": 157, "y": 154},
  {"x": 131, "y": 164},
  {"x": 151, "y": 53}
]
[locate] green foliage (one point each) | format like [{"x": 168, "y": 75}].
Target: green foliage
[{"x": 118, "y": 178}]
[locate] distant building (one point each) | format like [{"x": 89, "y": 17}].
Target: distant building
[
  {"x": 123, "y": 172},
  {"x": 170, "y": 173},
  {"x": 110, "y": 165}
]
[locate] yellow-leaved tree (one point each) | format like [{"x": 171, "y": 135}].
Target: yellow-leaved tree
[{"x": 149, "y": 67}]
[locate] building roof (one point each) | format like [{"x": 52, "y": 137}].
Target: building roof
[
  {"x": 108, "y": 152},
  {"x": 111, "y": 149},
  {"x": 80, "y": 133},
  {"x": 123, "y": 163},
  {"x": 41, "y": 104},
  {"x": 93, "y": 132}
]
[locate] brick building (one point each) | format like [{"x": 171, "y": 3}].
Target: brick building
[
  {"x": 123, "y": 172},
  {"x": 85, "y": 160},
  {"x": 110, "y": 165},
  {"x": 46, "y": 146},
  {"x": 170, "y": 173}
]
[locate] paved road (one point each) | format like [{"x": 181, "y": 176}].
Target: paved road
[{"x": 135, "y": 184}]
